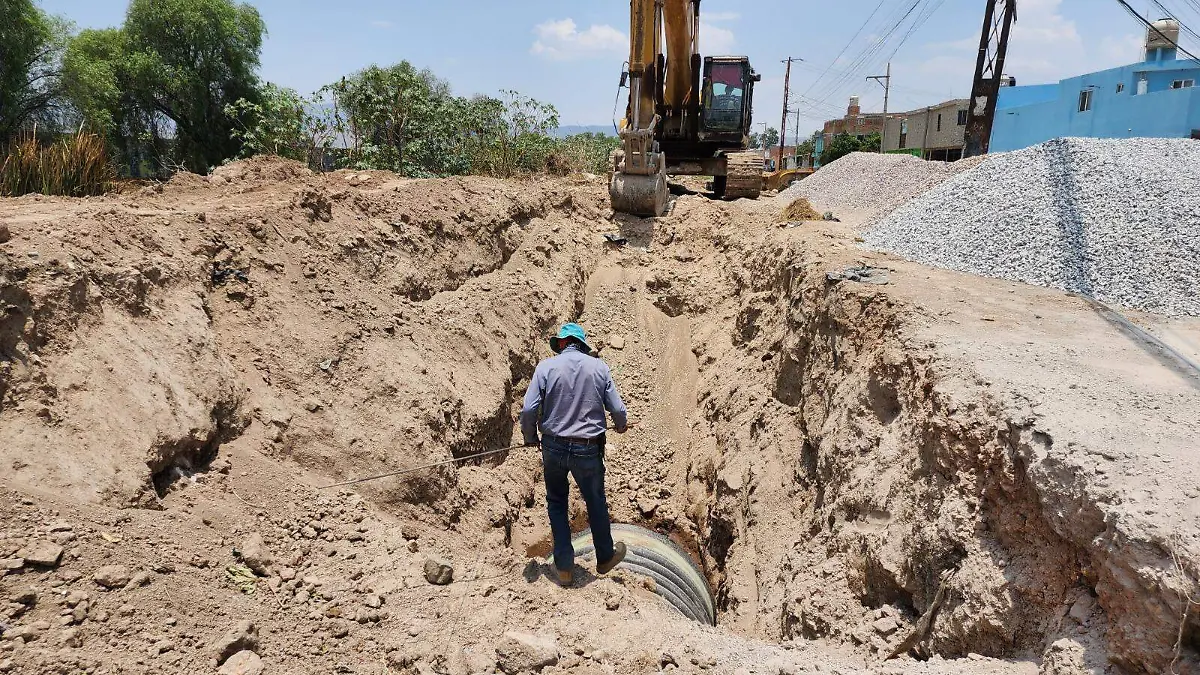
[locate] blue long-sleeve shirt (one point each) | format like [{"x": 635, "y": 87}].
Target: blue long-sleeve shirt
[{"x": 568, "y": 396}]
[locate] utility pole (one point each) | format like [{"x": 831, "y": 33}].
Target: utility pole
[
  {"x": 787, "y": 77},
  {"x": 998, "y": 19},
  {"x": 798, "y": 162},
  {"x": 887, "y": 89}
]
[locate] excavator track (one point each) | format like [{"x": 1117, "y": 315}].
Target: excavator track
[{"x": 743, "y": 175}]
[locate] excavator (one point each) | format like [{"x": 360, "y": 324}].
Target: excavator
[{"x": 686, "y": 115}]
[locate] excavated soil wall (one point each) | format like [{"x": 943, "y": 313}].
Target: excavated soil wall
[{"x": 856, "y": 485}]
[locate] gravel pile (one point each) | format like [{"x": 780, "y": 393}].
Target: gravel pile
[
  {"x": 870, "y": 183},
  {"x": 1117, "y": 220}
]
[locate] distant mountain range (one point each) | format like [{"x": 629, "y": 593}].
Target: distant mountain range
[{"x": 572, "y": 129}]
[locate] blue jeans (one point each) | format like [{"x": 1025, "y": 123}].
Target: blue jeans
[{"x": 586, "y": 464}]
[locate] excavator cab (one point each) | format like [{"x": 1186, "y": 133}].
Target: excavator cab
[{"x": 727, "y": 98}]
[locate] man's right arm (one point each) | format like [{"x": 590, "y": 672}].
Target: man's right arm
[
  {"x": 533, "y": 404},
  {"x": 615, "y": 406}
]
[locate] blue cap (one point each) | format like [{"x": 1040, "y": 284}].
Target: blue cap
[{"x": 570, "y": 330}]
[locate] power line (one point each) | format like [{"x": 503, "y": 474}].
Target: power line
[
  {"x": 870, "y": 58},
  {"x": 847, "y": 46},
  {"x": 865, "y": 59},
  {"x": 911, "y": 90}
]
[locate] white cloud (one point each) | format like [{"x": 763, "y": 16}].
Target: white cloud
[
  {"x": 382, "y": 24},
  {"x": 561, "y": 40},
  {"x": 717, "y": 17},
  {"x": 716, "y": 41}
]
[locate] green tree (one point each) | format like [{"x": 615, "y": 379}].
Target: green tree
[
  {"x": 94, "y": 80},
  {"x": 31, "y": 46},
  {"x": 397, "y": 118},
  {"x": 871, "y": 143},
  {"x": 187, "y": 60},
  {"x": 590, "y": 152},
  {"x": 407, "y": 120},
  {"x": 281, "y": 123},
  {"x": 172, "y": 69},
  {"x": 841, "y": 145},
  {"x": 806, "y": 148},
  {"x": 770, "y": 138},
  {"x": 97, "y": 82},
  {"x": 767, "y": 139},
  {"x": 523, "y": 144}
]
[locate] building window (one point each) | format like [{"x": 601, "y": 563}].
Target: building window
[
  {"x": 962, "y": 118},
  {"x": 1143, "y": 86},
  {"x": 939, "y": 127},
  {"x": 1120, "y": 87},
  {"x": 1085, "y": 100},
  {"x": 1183, "y": 84}
]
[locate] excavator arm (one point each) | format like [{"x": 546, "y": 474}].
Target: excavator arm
[{"x": 639, "y": 182}]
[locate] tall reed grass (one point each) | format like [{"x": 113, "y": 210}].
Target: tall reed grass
[{"x": 74, "y": 166}]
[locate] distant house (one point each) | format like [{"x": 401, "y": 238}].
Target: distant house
[
  {"x": 936, "y": 132},
  {"x": 856, "y": 123},
  {"x": 771, "y": 158},
  {"x": 1155, "y": 98}
]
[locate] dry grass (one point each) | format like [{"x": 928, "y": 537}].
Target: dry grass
[
  {"x": 800, "y": 210},
  {"x": 75, "y": 166}
]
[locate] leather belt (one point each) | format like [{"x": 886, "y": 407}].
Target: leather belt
[{"x": 598, "y": 440}]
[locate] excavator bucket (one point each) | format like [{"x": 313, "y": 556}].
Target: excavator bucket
[
  {"x": 639, "y": 180},
  {"x": 639, "y": 195}
]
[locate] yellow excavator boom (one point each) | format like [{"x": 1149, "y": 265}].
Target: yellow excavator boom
[{"x": 682, "y": 26}]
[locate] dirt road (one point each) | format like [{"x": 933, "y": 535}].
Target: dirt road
[{"x": 181, "y": 368}]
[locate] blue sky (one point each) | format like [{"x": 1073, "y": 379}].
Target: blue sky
[{"x": 569, "y": 52}]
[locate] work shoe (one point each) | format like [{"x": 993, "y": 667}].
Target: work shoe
[
  {"x": 618, "y": 556},
  {"x": 565, "y": 577}
]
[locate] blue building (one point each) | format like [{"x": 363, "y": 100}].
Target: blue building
[{"x": 1155, "y": 98}]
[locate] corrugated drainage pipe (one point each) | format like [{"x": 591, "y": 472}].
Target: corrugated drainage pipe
[{"x": 676, "y": 577}]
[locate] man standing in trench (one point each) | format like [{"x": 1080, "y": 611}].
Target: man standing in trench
[{"x": 567, "y": 399}]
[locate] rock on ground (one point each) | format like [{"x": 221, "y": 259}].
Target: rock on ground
[
  {"x": 244, "y": 662},
  {"x": 438, "y": 571},
  {"x": 242, "y": 637},
  {"x": 256, "y": 555},
  {"x": 522, "y": 652},
  {"x": 42, "y": 553},
  {"x": 112, "y": 576}
]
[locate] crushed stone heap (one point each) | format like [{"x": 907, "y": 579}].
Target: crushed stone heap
[
  {"x": 871, "y": 183},
  {"x": 1117, "y": 220}
]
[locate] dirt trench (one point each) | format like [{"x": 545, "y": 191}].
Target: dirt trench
[
  {"x": 213, "y": 351},
  {"x": 837, "y": 478}
]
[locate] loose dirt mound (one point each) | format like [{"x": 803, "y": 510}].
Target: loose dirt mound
[
  {"x": 800, "y": 210},
  {"x": 191, "y": 298}
]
